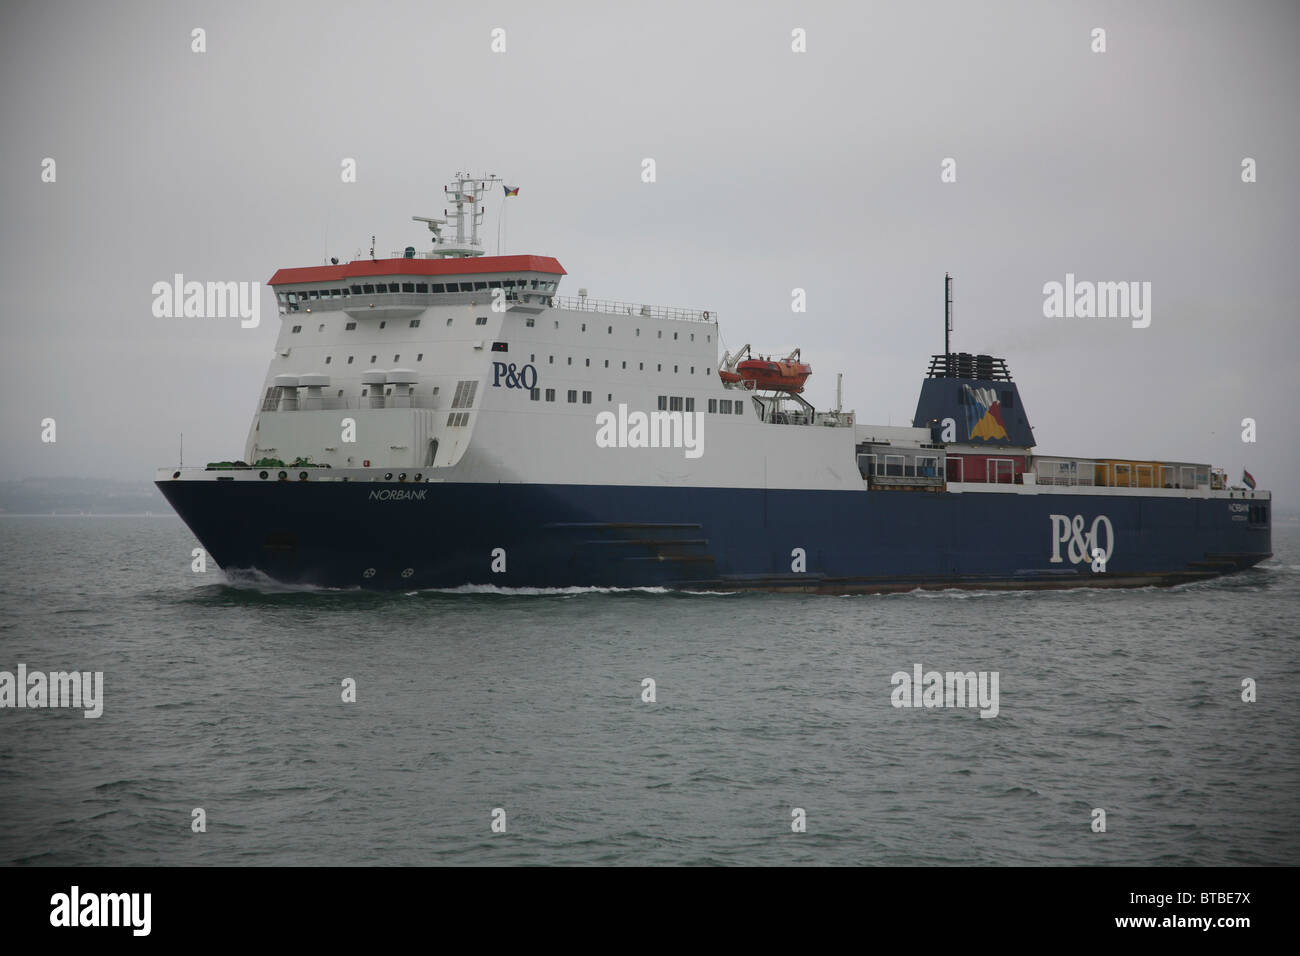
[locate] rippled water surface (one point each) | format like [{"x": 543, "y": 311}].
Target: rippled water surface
[{"x": 229, "y": 698}]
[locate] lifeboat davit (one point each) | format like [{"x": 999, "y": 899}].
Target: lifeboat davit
[{"x": 787, "y": 375}]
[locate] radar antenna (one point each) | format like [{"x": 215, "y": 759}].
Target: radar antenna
[{"x": 465, "y": 194}]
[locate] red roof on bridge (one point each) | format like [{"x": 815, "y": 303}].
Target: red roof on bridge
[{"x": 419, "y": 267}]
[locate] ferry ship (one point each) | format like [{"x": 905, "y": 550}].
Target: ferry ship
[{"x": 446, "y": 418}]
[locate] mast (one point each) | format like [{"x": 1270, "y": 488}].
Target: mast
[
  {"x": 466, "y": 193},
  {"x": 947, "y": 313}
]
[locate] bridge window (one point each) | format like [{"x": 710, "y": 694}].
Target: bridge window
[
  {"x": 675, "y": 403},
  {"x": 550, "y": 394},
  {"x": 327, "y": 360},
  {"x": 663, "y": 403},
  {"x": 690, "y": 404},
  {"x": 420, "y": 357},
  {"x": 423, "y": 287},
  {"x": 435, "y": 287},
  {"x": 349, "y": 327},
  {"x": 356, "y": 290},
  {"x": 350, "y": 359},
  {"x": 408, "y": 286},
  {"x": 586, "y": 398},
  {"x": 296, "y": 329},
  {"x": 481, "y": 320},
  {"x": 713, "y": 405},
  {"x": 383, "y": 324},
  {"x": 530, "y": 322},
  {"x": 368, "y": 289},
  {"x": 534, "y": 393},
  {"x": 415, "y": 323}
]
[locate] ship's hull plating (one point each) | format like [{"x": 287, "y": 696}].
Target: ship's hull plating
[{"x": 445, "y": 535}]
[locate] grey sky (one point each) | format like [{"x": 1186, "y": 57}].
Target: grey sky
[{"x": 776, "y": 170}]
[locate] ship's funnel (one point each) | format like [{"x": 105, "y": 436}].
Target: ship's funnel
[{"x": 971, "y": 399}]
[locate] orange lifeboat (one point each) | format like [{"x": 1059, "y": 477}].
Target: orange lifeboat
[{"x": 787, "y": 375}]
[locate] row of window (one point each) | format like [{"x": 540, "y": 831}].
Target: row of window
[
  {"x": 396, "y": 358},
  {"x": 351, "y": 326},
  {"x": 415, "y": 324},
  {"x": 478, "y": 320},
  {"x": 550, "y": 360},
  {"x": 718, "y": 406},
  {"x": 536, "y": 395},
  {"x": 294, "y": 299},
  {"x": 482, "y": 320}
]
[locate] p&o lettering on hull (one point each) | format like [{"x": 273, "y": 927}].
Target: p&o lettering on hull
[{"x": 1068, "y": 530}]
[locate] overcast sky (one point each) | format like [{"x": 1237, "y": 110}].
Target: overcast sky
[{"x": 775, "y": 170}]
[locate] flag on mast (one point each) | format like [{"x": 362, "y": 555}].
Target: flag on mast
[
  {"x": 510, "y": 190},
  {"x": 1248, "y": 479}
]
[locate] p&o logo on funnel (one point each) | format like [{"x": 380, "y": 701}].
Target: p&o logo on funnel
[{"x": 984, "y": 414}]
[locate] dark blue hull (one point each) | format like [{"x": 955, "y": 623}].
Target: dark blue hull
[{"x": 405, "y": 536}]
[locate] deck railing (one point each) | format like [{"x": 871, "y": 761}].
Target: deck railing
[{"x": 582, "y": 303}]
